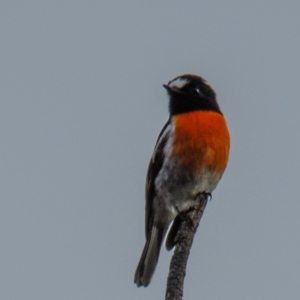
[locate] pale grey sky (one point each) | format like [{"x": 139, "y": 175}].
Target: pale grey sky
[{"x": 81, "y": 106}]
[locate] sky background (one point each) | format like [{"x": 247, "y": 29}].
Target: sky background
[{"x": 81, "y": 105}]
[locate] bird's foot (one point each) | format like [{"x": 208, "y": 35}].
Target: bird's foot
[{"x": 208, "y": 195}]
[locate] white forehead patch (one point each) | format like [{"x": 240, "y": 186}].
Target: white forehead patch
[{"x": 178, "y": 83}]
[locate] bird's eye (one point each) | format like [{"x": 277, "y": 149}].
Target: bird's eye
[{"x": 197, "y": 91}]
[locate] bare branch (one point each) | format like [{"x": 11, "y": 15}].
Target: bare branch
[{"x": 184, "y": 240}]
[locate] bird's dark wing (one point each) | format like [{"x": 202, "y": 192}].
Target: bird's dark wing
[{"x": 155, "y": 165}]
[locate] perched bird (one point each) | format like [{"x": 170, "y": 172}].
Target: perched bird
[{"x": 189, "y": 158}]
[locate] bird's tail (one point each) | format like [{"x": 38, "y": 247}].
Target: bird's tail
[{"x": 149, "y": 258}]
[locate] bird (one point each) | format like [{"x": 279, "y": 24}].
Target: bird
[{"x": 189, "y": 158}]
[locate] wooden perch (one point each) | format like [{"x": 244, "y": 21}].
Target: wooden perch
[{"x": 184, "y": 240}]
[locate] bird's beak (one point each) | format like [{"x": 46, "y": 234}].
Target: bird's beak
[
  {"x": 166, "y": 87},
  {"x": 170, "y": 89}
]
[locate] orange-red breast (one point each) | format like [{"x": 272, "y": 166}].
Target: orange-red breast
[{"x": 189, "y": 158}]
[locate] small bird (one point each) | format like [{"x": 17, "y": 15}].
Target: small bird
[{"x": 189, "y": 158}]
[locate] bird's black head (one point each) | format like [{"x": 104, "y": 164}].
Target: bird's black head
[{"x": 189, "y": 93}]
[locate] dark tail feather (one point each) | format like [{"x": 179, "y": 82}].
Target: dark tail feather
[
  {"x": 170, "y": 242},
  {"x": 149, "y": 258}
]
